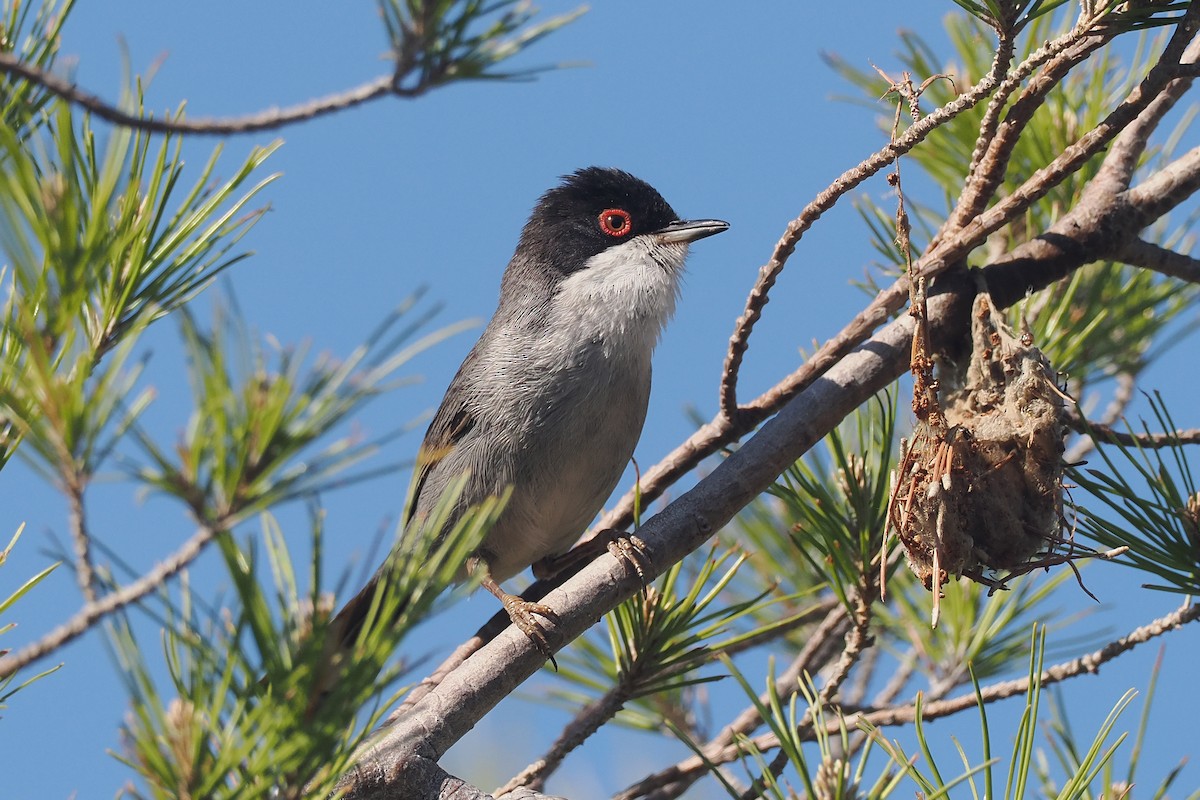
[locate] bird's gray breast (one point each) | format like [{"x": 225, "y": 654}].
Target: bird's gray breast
[{"x": 579, "y": 412}]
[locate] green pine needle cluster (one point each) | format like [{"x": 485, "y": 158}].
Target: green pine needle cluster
[
  {"x": 1145, "y": 500},
  {"x": 9, "y": 684},
  {"x": 262, "y": 701}
]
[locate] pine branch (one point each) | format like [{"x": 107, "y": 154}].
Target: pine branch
[
  {"x": 1167, "y": 187},
  {"x": 85, "y": 571},
  {"x": 428, "y": 53},
  {"x": 269, "y": 119},
  {"x": 1055, "y": 61}
]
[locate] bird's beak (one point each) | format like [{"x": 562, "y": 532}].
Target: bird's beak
[{"x": 683, "y": 231}]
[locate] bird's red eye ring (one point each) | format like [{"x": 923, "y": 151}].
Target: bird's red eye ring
[{"x": 615, "y": 221}]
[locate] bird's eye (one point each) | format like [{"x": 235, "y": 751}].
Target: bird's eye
[{"x": 615, "y": 221}]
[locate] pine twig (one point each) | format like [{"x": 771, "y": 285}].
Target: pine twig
[
  {"x": 93, "y": 612},
  {"x": 1150, "y": 441},
  {"x": 85, "y": 572},
  {"x": 269, "y": 119},
  {"x": 1140, "y": 253},
  {"x": 1054, "y": 60}
]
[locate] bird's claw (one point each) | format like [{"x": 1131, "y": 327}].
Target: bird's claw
[
  {"x": 631, "y": 552},
  {"x": 524, "y": 615}
]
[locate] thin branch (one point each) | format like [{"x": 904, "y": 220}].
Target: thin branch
[
  {"x": 864, "y": 677},
  {"x": 422, "y": 63},
  {"x": 1122, "y": 397},
  {"x": 991, "y": 114},
  {"x": 902, "y": 715},
  {"x": 1147, "y": 255},
  {"x": 818, "y": 649},
  {"x": 769, "y": 272},
  {"x": 85, "y": 573},
  {"x": 1150, "y": 441},
  {"x": 269, "y": 119},
  {"x": 93, "y": 612},
  {"x": 857, "y": 639}
]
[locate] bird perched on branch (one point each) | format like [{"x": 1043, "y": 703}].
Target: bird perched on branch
[{"x": 550, "y": 401}]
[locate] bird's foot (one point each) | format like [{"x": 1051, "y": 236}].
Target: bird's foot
[
  {"x": 524, "y": 614},
  {"x": 630, "y": 551}
]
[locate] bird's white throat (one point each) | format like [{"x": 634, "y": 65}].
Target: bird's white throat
[{"x": 623, "y": 297}]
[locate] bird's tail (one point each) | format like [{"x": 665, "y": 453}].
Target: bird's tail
[{"x": 375, "y": 600}]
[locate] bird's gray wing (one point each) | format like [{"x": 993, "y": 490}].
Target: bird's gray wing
[{"x": 450, "y": 424}]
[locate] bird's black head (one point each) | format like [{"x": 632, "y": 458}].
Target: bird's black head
[
  {"x": 597, "y": 212},
  {"x": 591, "y": 210}
]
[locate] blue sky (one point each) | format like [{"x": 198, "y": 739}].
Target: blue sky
[{"x": 726, "y": 108}]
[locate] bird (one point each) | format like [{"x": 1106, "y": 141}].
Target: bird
[{"x": 550, "y": 402}]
